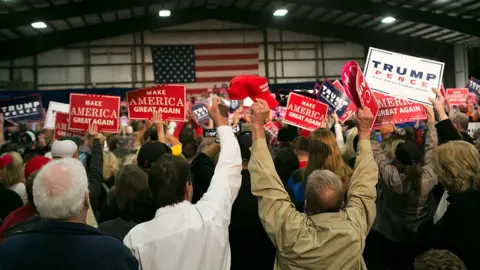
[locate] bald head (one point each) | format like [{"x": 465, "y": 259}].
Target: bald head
[
  {"x": 60, "y": 190},
  {"x": 324, "y": 192}
]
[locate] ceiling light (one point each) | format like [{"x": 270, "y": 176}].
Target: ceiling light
[
  {"x": 280, "y": 12},
  {"x": 164, "y": 13},
  {"x": 388, "y": 19},
  {"x": 39, "y": 25}
]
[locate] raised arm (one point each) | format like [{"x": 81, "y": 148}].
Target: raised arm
[
  {"x": 227, "y": 178},
  {"x": 338, "y": 131},
  {"x": 277, "y": 213},
  {"x": 389, "y": 173},
  {"x": 360, "y": 208},
  {"x": 446, "y": 130},
  {"x": 429, "y": 177},
  {"x": 95, "y": 169}
]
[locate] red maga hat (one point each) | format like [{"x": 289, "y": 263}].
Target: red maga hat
[{"x": 251, "y": 86}]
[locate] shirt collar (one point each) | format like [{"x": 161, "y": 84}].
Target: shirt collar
[{"x": 172, "y": 208}]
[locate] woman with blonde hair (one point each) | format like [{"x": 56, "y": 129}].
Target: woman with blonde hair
[
  {"x": 12, "y": 174},
  {"x": 110, "y": 168},
  {"x": 323, "y": 154}
]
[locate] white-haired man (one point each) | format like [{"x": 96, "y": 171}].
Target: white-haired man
[{"x": 64, "y": 241}]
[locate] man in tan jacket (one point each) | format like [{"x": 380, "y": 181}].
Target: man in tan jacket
[{"x": 331, "y": 235}]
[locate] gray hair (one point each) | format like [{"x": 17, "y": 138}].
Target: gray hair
[
  {"x": 324, "y": 192},
  {"x": 59, "y": 189},
  {"x": 461, "y": 119}
]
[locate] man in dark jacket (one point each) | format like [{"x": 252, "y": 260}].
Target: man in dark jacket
[{"x": 63, "y": 241}]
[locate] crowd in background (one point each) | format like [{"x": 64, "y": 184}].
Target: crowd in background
[{"x": 160, "y": 195}]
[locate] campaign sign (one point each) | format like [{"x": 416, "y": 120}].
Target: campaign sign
[
  {"x": 22, "y": 109},
  {"x": 101, "y": 110},
  {"x": 403, "y": 76},
  {"x": 53, "y": 108},
  {"x": 305, "y": 112},
  {"x": 366, "y": 96},
  {"x": 457, "y": 96},
  {"x": 170, "y": 100},
  {"x": 349, "y": 76},
  {"x": 394, "y": 110},
  {"x": 282, "y": 97},
  {"x": 61, "y": 127},
  {"x": 472, "y": 127},
  {"x": 474, "y": 85},
  {"x": 336, "y": 100},
  {"x": 200, "y": 113},
  {"x": 351, "y": 107}
]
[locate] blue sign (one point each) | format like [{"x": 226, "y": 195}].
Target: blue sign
[
  {"x": 335, "y": 99},
  {"x": 474, "y": 86},
  {"x": 201, "y": 113},
  {"x": 22, "y": 109}
]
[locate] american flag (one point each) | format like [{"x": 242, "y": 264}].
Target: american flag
[{"x": 204, "y": 65}]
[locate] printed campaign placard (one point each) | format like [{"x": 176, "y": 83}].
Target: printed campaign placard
[
  {"x": 472, "y": 127},
  {"x": 169, "y": 99},
  {"x": 351, "y": 107},
  {"x": 457, "y": 96},
  {"x": 474, "y": 85},
  {"x": 200, "y": 113},
  {"x": 404, "y": 76},
  {"x": 394, "y": 110},
  {"x": 305, "y": 112},
  {"x": 336, "y": 100},
  {"x": 366, "y": 96},
  {"x": 23, "y": 109},
  {"x": 349, "y": 75},
  {"x": 61, "y": 128},
  {"x": 53, "y": 108},
  {"x": 94, "y": 109}
]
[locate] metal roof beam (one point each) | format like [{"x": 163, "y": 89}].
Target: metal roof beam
[
  {"x": 32, "y": 45},
  {"x": 466, "y": 26}
]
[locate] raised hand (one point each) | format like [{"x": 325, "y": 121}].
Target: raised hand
[
  {"x": 93, "y": 130},
  {"x": 260, "y": 112},
  {"x": 157, "y": 119},
  {"x": 335, "y": 117},
  {"x": 439, "y": 104},
  {"x": 214, "y": 112},
  {"x": 364, "y": 120}
]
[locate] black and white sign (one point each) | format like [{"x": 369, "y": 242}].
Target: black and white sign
[{"x": 22, "y": 109}]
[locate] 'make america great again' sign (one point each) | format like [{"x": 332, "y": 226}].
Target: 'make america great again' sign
[
  {"x": 87, "y": 110},
  {"x": 170, "y": 100}
]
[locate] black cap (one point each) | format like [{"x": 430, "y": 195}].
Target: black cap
[
  {"x": 245, "y": 141},
  {"x": 408, "y": 153},
  {"x": 151, "y": 152}
]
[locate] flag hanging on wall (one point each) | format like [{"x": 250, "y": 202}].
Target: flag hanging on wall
[{"x": 204, "y": 65}]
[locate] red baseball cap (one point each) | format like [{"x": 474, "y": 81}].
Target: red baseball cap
[{"x": 251, "y": 86}]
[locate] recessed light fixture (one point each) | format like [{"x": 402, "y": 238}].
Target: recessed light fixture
[
  {"x": 280, "y": 12},
  {"x": 39, "y": 25},
  {"x": 388, "y": 19},
  {"x": 164, "y": 13}
]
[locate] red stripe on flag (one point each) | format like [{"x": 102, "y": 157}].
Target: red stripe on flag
[
  {"x": 226, "y": 68},
  {"x": 215, "y": 79},
  {"x": 225, "y": 46},
  {"x": 226, "y": 56}
]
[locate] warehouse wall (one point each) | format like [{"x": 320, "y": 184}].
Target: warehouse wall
[{"x": 125, "y": 61}]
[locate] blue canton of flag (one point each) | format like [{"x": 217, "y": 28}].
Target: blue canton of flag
[{"x": 174, "y": 64}]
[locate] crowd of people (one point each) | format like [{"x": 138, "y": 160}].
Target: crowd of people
[{"x": 159, "y": 195}]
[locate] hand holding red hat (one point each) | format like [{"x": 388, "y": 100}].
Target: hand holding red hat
[
  {"x": 261, "y": 112},
  {"x": 214, "y": 112}
]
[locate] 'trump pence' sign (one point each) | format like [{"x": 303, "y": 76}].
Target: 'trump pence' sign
[
  {"x": 94, "y": 109},
  {"x": 337, "y": 100},
  {"x": 402, "y": 75},
  {"x": 351, "y": 107},
  {"x": 170, "y": 100},
  {"x": 22, "y": 109},
  {"x": 305, "y": 112}
]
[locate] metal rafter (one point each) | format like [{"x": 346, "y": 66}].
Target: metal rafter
[
  {"x": 32, "y": 45},
  {"x": 466, "y": 26}
]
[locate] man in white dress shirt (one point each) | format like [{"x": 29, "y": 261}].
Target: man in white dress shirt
[{"x": 183, "y": 235}]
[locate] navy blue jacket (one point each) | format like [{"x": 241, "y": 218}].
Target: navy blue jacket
[{"x": 62, "y": 245}]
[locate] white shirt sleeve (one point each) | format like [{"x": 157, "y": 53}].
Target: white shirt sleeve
[
  {"x": 227, "y": 178},
  {"x": 339, "y": 136}
]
